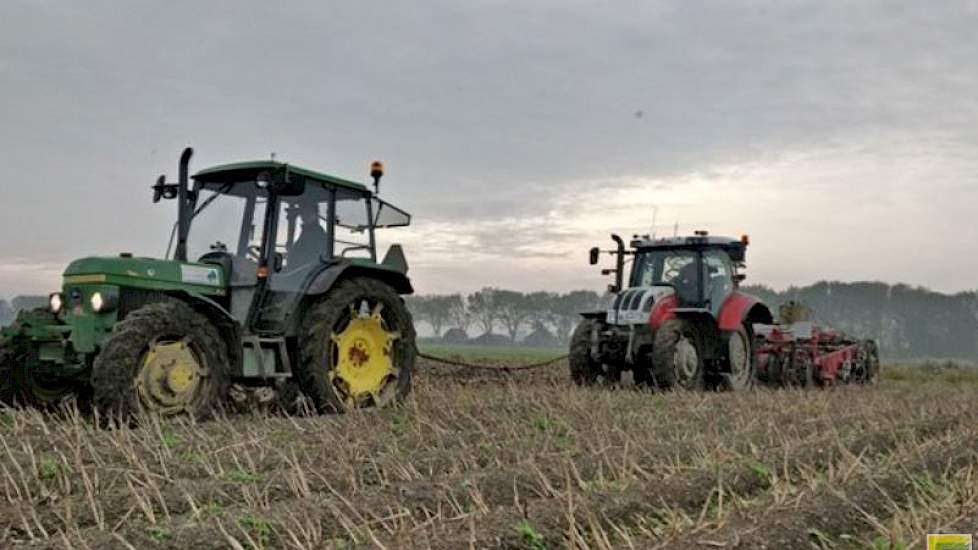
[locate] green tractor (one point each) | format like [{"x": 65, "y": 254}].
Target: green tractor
[{"x": 273, "y": 281}]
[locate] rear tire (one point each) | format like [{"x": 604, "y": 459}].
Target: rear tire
[
  {"x": 740, "y": 366},
  {"x": 124, "y": 375},
  {"x": 677, "y": 358},
  {"x": 328, "y": 376}
]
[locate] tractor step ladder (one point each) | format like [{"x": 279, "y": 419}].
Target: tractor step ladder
[{"x": 277, "y": 344}]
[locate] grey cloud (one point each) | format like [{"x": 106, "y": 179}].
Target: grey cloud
[{"x": 482, "y": 111}]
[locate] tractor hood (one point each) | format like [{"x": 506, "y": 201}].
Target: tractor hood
[
  {"x": 632, "y": 306},
  {"x": 146, "y": 273}
]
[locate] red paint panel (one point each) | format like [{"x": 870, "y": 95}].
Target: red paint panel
[
  {"x": 663, "y": 310},
  {"x": 829, "y": 364},
  {"x": 734, "y": 309}
]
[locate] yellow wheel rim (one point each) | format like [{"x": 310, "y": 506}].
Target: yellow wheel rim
[
  {"x": 170, "y": 377},
  {"x": 362, "y": 362}
]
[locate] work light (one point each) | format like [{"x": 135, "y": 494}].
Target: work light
[
  {"x": 98, "y": 302},
  {"x": 56, "y": 301}
]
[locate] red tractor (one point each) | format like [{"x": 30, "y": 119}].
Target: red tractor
[{"x": 682, "y": 322}]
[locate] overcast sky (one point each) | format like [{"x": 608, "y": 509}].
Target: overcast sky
[{"x": 842, "y": 136}]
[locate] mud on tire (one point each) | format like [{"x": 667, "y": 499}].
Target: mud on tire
[
  {"x": 677, "y": 359},
  {"x": 318, "y": 352},
  {"x": 20, "y": 383},
  {"x": 584, "y": 371},
  {"x": 740, "y": 362},
  {"x": 118, "y": 364}
]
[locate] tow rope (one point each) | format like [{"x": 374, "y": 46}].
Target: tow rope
[{"x": 502, "y": 368}]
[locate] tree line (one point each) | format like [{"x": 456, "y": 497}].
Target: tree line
[
  {"x": 908, "y": 322},
  {"x": 543, "y": 318},
  {"x": 8, "y": 310}
]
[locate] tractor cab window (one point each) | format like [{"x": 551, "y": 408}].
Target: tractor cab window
[
  {"x": 228, "y": 218},
  {"x": 352, "y": 226},
  {"x": 303, "y": 228},
  {"x": 718, "y": 279},
  {"x": 668, "y": 267}
]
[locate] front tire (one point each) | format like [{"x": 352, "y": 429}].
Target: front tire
[
  {"x": 358, "y": 348},
  {"x": 677, "y": 358},
  {"x": 163, "y": 358},
  {"x": 21, "y": 382}
]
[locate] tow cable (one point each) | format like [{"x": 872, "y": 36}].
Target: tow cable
[{"x": 502, "y": 368}]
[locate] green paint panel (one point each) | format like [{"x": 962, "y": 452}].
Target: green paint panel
[
  {"x": 242, "y": 171},
  {"x": 146, "y": 273}
]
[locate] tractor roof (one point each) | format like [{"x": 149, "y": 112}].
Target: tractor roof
[
  {"x": 694, "y": 240},
  {"x": 248, "y": 171}
]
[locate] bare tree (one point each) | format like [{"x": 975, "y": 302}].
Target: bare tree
[
  {"x": 514, "y": 310},
  {"x": 28, "y": 302},
  {"x": 439, "y": 311},
  {"x": 483, "y": 308},
  {"x": 460, "y": 315},
  {"x": 568, "y": 307}
]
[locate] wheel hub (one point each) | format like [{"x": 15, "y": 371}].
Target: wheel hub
[
  {"x": 170, "y": 375},
  {"x": 363, "y": 366}
]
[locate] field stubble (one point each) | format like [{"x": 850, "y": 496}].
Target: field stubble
[{"x": 519, "y": 460}]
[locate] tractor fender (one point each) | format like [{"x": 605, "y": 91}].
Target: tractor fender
[
  {"x": 229, "y": 329},
  {"x": 332, "y": 274},
  {"x": 596, "y": 315},
  {"x": 663, "y": 310},
  {"x": 739, "y": 309}
]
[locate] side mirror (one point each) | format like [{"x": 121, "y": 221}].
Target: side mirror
[
  {"x": 164, "y": 190},
  {"x": 593, "y": 258},
  {"x": 612, "y": 289},
  {"x": 278, "y": 262}
]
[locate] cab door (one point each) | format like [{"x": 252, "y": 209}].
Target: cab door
[{"x": 717, "y": 279}]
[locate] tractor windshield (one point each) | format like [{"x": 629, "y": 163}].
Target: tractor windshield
[
  {"x": 229, "y": 217},
  {"x": 664, "y": 267},
  {"x": 674, "y": 267},
  {"x": 679, "y": 268}
]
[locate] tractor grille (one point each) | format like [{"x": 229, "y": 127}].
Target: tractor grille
[
  {"x": 632, "y": 306},
  {"x": 631, "y": 300},
  {"x": 131, "y": 299}
]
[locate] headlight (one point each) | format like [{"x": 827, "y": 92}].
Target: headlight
[
  {"x": 97, "y": 302},
  {"x": 56, "y": 301}
]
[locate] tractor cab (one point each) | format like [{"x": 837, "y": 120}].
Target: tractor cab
[
  {"x": 274, "y": 228},
  {"x": 701, "y": 269}
]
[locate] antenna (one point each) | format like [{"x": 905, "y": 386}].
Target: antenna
[{"x": 655, "y": 214}]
